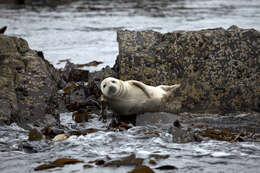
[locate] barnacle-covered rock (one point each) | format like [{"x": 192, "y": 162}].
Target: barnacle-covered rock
[
  {"x": 28, "y": 85},
  {"x": 218, "y": 69}
]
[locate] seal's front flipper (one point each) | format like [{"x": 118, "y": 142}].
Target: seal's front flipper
[{"x": 142, "y": 86}]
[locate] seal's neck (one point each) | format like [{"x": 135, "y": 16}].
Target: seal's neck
[{"x": 122, "y": 90}]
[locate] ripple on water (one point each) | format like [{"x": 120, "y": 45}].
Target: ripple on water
[
  {"x": 86, "y": 30},
  {"x": 192, "y": 157}
]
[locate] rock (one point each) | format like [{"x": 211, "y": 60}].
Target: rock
[
  {"x": 126, "y": 161},
  {"x": 142, "y": 169},
  {"x": 182, "y": 135},
  {"x": 87, "y": 166},
  {"x": 166, "y": 167},
  {"x": 81, "y": 116},
  {"x": 92, "y": 63},
  {"x": 159, "y": 156},
  {"x": 218, "y": 69},
  {"x": 228, "y": 127},
  {"x": 98, "y": 76},
  {"x": 83, "y": 132},
  {"x": 35, "y": 135},
  {"x": 223, "y": 135},
  {"x": 28, "y": 85},
  {"x": 51, "y": 132},
  {"x": 60, "y": 137},
  {"x": 98, "y": 162},
  {"x": 71, "y": 73},
  {"x": 2, "y": 30},
  {"x": 78, "y": 95},
  {"x": 152, "y": 162},
  {"x": 57, "y": 163}
]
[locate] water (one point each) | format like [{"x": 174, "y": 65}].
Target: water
[
  {"x": 207, "y": 156},
  {"x": 86, "y": 31}
]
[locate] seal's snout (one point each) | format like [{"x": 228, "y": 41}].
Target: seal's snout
[{"x": 111, "y": 89}]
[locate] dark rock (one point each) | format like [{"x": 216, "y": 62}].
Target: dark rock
[
  {"x": 2, "y": 30},
  {"x": 51, "y": 132},
  {"x": 78, "y": 96},
  {"x": 81, "y": 116},
  {"x": 223, "y": 135},
  {"x": 71, "y": 73},
  {"x": 92, "y": 63},
  {"x": 182, "y": 135},
  {"x": 28, "y": 85},
  {"x": 126, "y": 161},
  {"x": 92, "y": 90},
  {"x": 57, "y": 163},
  {"x": 98, "y": 76},
  {"x": 142, "y": 169},
  {"x": 166, "y": 167},
  {"x": 98, "y": 162},
  {"x": 159, "y": 156},
  {"x": 228, "y": 127},
  {"x": 83, "y": 132},
  {"x": 87, "y": 166},
  {"x": 35, "y": 135},
  {"x": 89, "y": 105},
  {"x": 218, "y": 69},
  {"x": 152, "y": 162}
]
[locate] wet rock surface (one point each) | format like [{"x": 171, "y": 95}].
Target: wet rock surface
[
  {"x": 28, "y": 85},
  {"x": 218, "y": 69},
  {"x": 72, "y": 73}
]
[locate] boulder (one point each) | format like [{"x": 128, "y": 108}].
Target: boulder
[
  {"x": 28, "y": 85},
  {"x": 72, "y": 74},
  {"x": 218, "y": 69}
]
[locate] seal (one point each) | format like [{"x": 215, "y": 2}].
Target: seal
[{"x": 134, "y": 97}]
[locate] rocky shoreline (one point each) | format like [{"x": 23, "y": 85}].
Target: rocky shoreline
[{"x": 219, "y": 72}]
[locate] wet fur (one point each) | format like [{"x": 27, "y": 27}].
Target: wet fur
[{"x": 134, "y": 97}]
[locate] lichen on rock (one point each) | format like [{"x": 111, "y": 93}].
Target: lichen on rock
[
  {"x": 218, "y": 69},
  {"x": 28, "y": 85}
]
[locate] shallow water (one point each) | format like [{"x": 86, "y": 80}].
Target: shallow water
[
  {"x": 86, "y": 31},
  {"x": 207, "y": 156}
]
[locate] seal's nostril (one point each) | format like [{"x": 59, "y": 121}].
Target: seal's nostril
[
  {"x": 104, "y": 86},
  {"x": 112, "y": 89}
]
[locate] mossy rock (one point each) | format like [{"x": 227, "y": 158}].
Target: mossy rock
[
  {"x": 218, "y": 69},
  {"x": 28, "y": 85}
]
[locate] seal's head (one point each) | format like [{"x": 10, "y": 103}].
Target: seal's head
[{"x": 111, "y": 87}]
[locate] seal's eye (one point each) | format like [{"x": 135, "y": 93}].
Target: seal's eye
[
  {"x": 104, "y": 86},
  {"x": 113, "y": 81}
]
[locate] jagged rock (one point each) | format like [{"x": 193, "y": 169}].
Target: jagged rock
[
  {"x": 180, "y": 135},
  {"x": 97, "y": 76},
  {"x": 35, "y": 135},
  {"x": 126, "y": 161},
  {"x": 72, "y": 74},
  {"x": 57, "y": 163},
  {"x": 3, "y": 29},
  {"x": 28, "y": 85},
  {"x": 219, "y": 70}
]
